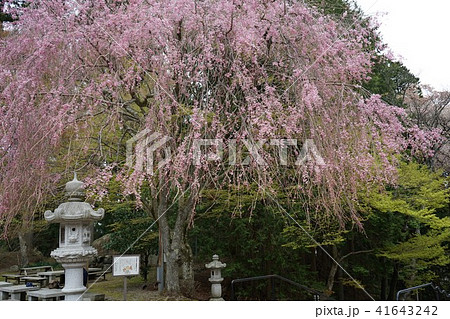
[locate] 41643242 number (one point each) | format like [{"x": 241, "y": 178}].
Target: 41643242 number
[{"x": 407, "y": 310}]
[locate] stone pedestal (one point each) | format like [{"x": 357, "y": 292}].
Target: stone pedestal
[{"x": 73, "y": 288}]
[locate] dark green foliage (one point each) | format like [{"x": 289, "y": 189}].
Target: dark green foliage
[
  {"x": 331, "y": 7},
  {"x": 391, "y": 80},
  {"x": 46, "y": 238},
  {"x": 127, "y": 225},
  {"x": 4, "y": 17},
  {"x": 250, "y": 242},
  {"x": 54, "y": 264}
]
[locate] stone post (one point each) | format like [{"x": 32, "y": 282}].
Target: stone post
[
  {"x": 216, "y": 278},
  {"x": 75, "y": 235}
]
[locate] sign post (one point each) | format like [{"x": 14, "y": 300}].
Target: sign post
[
  {"x": 125, "y": 265},
  {"x": 125, "y": 288}
]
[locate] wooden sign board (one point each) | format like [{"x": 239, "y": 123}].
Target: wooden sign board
[{"x": 126, "y": 265}]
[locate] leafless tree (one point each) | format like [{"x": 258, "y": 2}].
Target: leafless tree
[{"x": 431, "y": 110}]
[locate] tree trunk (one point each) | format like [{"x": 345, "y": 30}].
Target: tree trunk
[
  {"x": 314, "y": 259},
  {"x": 340, "y": 285},
  {"x": 179, "y": 266},
  {"x": 333, "y": 270},
  {"x": 172, "y": 282},
  {"x": 394, "y": 280},
  {"x": 179, "y": 270},
  {"x": 187, "y": 269},
  {"x": 171, "y": 254},
  {"x": 384, "y": 284},
  {"x": 179, "y": 259},
  {"x": 145, "y": 266},
  {"x": 23, "y": 250},
  {"x": 26, "y": 245}
]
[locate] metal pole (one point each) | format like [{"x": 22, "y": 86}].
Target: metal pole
[
  {"x": 125, "y": 288},
  {"x": 410, "y": 289},
  {"x": 232, "y": 291},
  {"x": 272, "y": 286},
  {"x": 160, "y": 266}
]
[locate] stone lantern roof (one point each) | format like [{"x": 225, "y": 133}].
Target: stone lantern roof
[
  {"x": 75, "y": 209},
  {"x": 215, "y": 263}
]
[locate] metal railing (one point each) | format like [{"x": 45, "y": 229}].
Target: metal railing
[
  {"x": 316, "y": 293},
  {"x": 437, "y": 290}
]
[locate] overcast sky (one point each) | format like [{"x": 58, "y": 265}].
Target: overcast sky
[{"x": 419, "y": 32}]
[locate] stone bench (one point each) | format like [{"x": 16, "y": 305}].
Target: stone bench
[
  {"x": 26, "y": 272},
  {"x": 15, "y": 277},
  {"x": 17, "y": 292},
  {"x": 45, "y": 294},
  {"x": 5, "y": 284},
  {"x": 53, "y": 275},
  {"x": 97, "y": 274},
  {"x": 32, "y": 271},
  {"x": 34, "y": 279}
]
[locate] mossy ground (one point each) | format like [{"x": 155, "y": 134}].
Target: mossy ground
[{"x": 137, "y": 289}]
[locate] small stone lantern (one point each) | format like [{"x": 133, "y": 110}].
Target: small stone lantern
[
  {"x": 75, "y": 235},
  {"x": 216, "y": 267}
]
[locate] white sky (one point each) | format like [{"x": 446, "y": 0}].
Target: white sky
[{"x": 417, "y": 31}]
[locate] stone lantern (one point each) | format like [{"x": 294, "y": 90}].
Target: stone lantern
[
  {"x": 75, "y": 235},
  {"x": 216, "y": 267}
]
